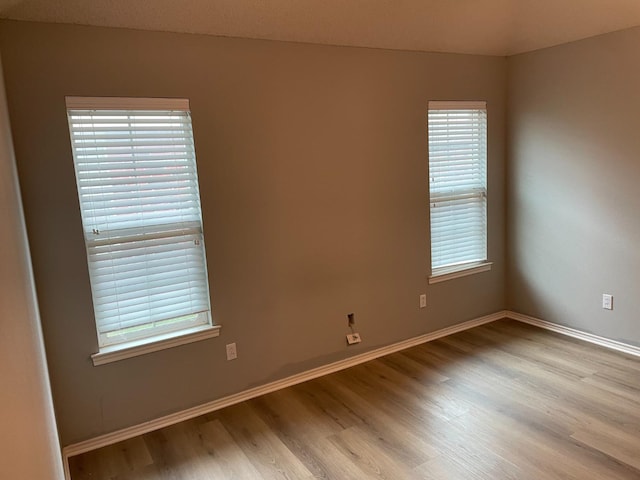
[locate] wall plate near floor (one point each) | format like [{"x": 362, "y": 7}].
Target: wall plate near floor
[
  {"x": 232, "y": 352},
  {"x": 353, "y": 338},
  {"x": 607, "y": 301}
]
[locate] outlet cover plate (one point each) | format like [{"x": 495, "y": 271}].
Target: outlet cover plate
[
  {"x": 232, "y": 352},
  {"x": 607, "y": 301},
  {"x": 353, "y": 338}
]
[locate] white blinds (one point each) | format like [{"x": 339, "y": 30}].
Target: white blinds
[
  {"x": 457, "y": 183},
  {"x": 138, "y": 189}
]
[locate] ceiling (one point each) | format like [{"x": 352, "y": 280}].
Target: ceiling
[{"x": 490, "y": 27}]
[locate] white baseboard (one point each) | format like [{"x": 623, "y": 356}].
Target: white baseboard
[
  {"x": 571, "y": 332},
  {"x": 146, "y": 427}
]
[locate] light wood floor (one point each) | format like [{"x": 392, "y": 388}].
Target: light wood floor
[{"x": 501, "y": 401}]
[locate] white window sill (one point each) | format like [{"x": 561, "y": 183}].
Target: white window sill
[
  {"x": 135, "y": 348},
  {"x": 459, "y": 271}
]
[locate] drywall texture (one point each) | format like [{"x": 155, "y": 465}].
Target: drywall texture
[
  {"x": 29, "y": 446},
  {"x": 313, "y": 172},
  {"x": 573, "y": 195}
]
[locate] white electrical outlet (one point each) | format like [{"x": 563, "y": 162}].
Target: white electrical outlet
[
  {"x": 232, "y": 353},
  {"x": 423, "y": 300},
  {"x": 353, "y": 338},
  {"x": 607, "y": 301}
]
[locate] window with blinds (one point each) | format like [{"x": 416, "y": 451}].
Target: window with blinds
[
  {"x": 137, "y": 183},
  {"x": 457, "y": 185}
]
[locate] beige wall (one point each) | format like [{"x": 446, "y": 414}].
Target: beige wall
[
  {"x": 573, "y": 197},
  {"x": 312, "y": 163},
  {"x": 29, "y": 446}
]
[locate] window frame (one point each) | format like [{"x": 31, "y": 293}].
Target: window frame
[
  {"x": 147, "y": 236},
  {"x": 476, "y": 189}
]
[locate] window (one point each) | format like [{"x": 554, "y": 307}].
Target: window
[
  {"x": 137, "y": 183},
  {"x": 458, "y": 187}
]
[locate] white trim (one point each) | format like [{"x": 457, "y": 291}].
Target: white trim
[
  {"x": 461, "y": 271},
  {"x": 65, "y": 466},
  {"x": 126, "y": 103},
  {"x": 453, "y": 105},
  {"x": 146, "y": 427},
  {"x": 120, "y": 351},
  {"x": 571, "y": 332}
]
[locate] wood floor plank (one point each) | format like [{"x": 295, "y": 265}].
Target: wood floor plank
[
  {"x": 568, "y": 347},
  {"x": 394, "y": 429},
  {"x": 624, "y": 388},
  {"x": 270, "y": 457},
  {"x": 113, "y": 460},
  {"x": 572, "y": 401},
  {"x": 302, "y": 432},
  {"x": 617, "y": 445},
  {"x": 322, "y": 400},
  {"x": 498, "y": 402},
  {"x": 412, "y": 369},
  {"x": 224, "y": 459},
  {"x": 529, "y": 349},
  {"x": 445, "y": 467},
  {"x": 148, "y": 472},
  {"x": 377, "y": 380},
  {"x": 529, "y": 441},
  {"x": 374, "y": 462},
  {"x": 176, "y": 446}
]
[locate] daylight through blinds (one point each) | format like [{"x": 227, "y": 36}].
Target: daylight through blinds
[
  {"x": 139, "y": 197},
  {"x": 457, "y": 183}
]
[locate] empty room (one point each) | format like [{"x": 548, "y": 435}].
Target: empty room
[{"x": 339, "y": 240}]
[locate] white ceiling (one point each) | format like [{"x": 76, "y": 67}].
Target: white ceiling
[{"x": 492, "y": 27}]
